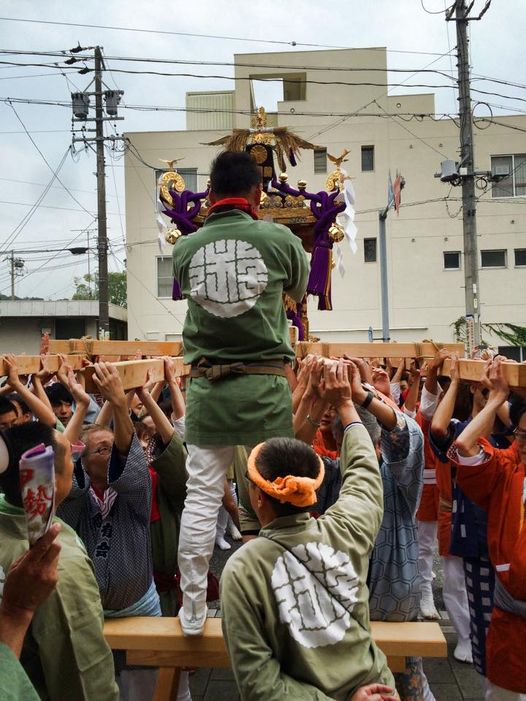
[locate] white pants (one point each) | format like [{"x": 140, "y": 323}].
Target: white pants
[
  {"x": 455, "y": 596},
  {"x": 206, "y": 467},
  {"x": 427, "y": 544},
  {"x": 497, "y": 693},
  {"x": 224, "y": 519}
]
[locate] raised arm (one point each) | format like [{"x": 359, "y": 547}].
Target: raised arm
[
  {"x": 312, "y": 405},
  {"x": 412, "y": 396},
  {"x": 82, "y": 402},
  {"x": 386, "y": 415},
  {"x": 162, "y": 423},
  {"x": 176, "y": 396},
  {"x": 108, "y": 380},
  {"x": 444, "y": 412},
  {"x": 39, "y": 409},
  {"x": 482, "y": 424}
]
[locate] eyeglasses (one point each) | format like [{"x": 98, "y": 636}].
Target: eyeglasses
[
  {"x": 103, "y": 450},
  {"x": 520, "y": 434}
]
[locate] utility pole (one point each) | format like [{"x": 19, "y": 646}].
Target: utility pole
[
  {"x": 467, "y": 164},
  {"x": 382, "y": 216},
  {"x": 17, "y": 268},
  {"x": 81, "y": 111},
  {"x": 102, "y": 238}
]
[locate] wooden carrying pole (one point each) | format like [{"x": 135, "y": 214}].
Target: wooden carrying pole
[
  {"x": 134, "y": 373},
  {"x": 29, "y": 364},
  {"x": 426, "y": 349}
]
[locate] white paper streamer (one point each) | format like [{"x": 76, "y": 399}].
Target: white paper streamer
[{"x": 346, "y": 218}]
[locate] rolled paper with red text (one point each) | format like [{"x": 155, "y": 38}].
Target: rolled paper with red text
[{"x": 37, "y": 484}]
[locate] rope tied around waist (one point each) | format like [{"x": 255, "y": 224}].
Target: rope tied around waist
[{"x": 215, "y": 372}]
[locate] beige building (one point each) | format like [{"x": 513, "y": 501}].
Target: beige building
[
  {"x": 23, "y": 321},
  {"x": 424, "y": 242}
]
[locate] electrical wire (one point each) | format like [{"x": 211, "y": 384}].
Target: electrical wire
[
  {"x": 34, "y": 207},
  {"x": 201, "y": 36},
  {"x": 47, "y": 163},
  {"x": 439, "y": 12}
]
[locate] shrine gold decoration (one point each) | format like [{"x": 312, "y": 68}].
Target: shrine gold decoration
[{"x": 171, "y": 180}]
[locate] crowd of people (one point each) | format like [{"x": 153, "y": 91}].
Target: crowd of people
[{"x": 343, "y": 476}]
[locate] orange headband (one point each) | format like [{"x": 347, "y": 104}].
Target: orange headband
[{"x": 299, "y": 491}]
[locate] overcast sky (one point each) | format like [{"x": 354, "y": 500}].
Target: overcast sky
[{"x": 497, "y": 51}]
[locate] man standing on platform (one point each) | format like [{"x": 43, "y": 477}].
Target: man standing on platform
[{"x": 233, "y": 272}]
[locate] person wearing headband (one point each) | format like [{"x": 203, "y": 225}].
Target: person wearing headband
[
  {"x": 70, "y": 620},
  {"x": 294, "y": 600},
  {"x": 233, "y": 273}
]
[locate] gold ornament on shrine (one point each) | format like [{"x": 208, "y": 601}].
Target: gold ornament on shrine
[
  {"x": 173, "y": 235},
  {"x": 336, "y": 233},
  {"x": 171, "y": 180}
]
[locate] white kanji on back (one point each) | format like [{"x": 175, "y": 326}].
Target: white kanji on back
[
  {"x": 227, "y": 277},
  {"x": 316, "y": 589}
]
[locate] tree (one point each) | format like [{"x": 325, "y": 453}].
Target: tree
[
  {"x": 87, "y": 287},
  {"x": 511, "y": 334}
]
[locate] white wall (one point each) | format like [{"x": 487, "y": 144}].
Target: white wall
[{"x": 425, "y": 299}]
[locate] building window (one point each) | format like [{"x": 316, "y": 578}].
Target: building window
[
  {"x": 367, "y": 158},
  {"x": 189, "y": 175},
  {"x": 493, "y": 259},
  {"x": 320, "y": 160},
  {"x": 164, "y": 276},
  {"x": 517, "y": 353},
  {"x": 512, "y": 170},
  {"x": 369, "y": 250},
  {"x": 520, "y": 257},
  {"x": 451, "y": 260}
]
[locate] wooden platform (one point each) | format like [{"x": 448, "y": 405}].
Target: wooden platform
[{"x": 159, "y": 642}]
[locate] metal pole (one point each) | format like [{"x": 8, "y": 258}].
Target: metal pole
[
  {"x": 382, "y": 216},
  {"x": 12, "y": 275},
  {"x": 469, "y": 218},
  {"x": 102, "y": 241}
]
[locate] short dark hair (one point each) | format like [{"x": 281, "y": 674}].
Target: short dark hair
[
  {"x": 233, "y": 174},
  {"x": 57, "y": 394},
  {"x": 7, "y": 406},
  {"x": 280, "y": 457},
  {"x": 18, "y": 439},
  {"x": 17, "y": 399}
]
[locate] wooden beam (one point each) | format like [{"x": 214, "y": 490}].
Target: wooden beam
[
  {"x": 29, "y": 364},
  {"x": 90, "y": 346},
  {"x": 425, "y": 349},
  {"x": 471, "y": 371},
  {"x": 71, "y": 346},
  {"x": 134, "y": 372},
  {"x": 160, "y": 641}
]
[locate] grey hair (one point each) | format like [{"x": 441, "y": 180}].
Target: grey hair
[
  {"x": 369, "y": 421},
  {"x": 371, "y": 424}
]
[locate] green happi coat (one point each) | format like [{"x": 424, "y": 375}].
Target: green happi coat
[
  {"x": 233, "y": 272},
  {"x": 293, "y": 635},
  {"x": 65, "y": 654}
]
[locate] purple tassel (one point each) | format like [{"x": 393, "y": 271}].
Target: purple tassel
[
  {"x": 176, "y": 291},
  {"x": 295, "y": 317}
]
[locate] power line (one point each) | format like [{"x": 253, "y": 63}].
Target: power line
[
  {"x": 202, "y": 36},
  {"x": 431, "y": 12},
  {"x": 27, "y": 217},
  {"x": 46, "y": 161}
]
